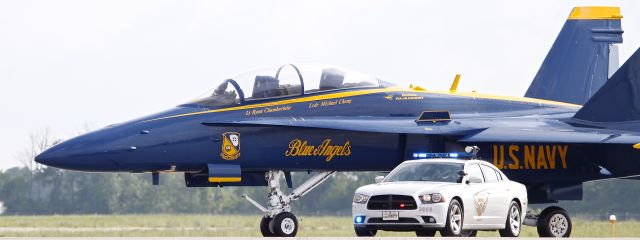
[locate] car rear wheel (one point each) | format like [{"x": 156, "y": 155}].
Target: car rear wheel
[
  {"x": 364, "y": 232},
  {"x": 453, "y": 227},
  {"x": 425, "y": 233},
  {"x": 513, "y": 223}
]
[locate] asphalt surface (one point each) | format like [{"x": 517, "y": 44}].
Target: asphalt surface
[{"x": 250, "y": 238}]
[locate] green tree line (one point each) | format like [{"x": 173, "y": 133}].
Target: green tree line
[{"x": 54, "y": 191}]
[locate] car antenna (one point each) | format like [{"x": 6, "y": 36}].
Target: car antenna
[{"x": 473, "y": 150}]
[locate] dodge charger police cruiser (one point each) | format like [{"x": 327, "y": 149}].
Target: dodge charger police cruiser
[{"x": 456, "y": 197}]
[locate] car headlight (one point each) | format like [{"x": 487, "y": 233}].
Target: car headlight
[
  {"x": 360, "y": 198},
  {"x": 432, "y": 198}
]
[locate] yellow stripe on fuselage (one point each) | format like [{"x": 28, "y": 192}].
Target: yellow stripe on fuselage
[
  {"x": 371, "y": 91},
  {"x": 506, "y": 98},
  {"x": 224, "y": 179}
]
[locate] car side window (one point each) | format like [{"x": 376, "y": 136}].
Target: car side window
[
  {"x": 489, "y": 174},
  {"x": 474, "y": 170},
  {"x": 498, "y": 175}
]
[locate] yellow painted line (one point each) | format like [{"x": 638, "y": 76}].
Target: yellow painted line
[
  {"x": 506, "y": 98},
  {"x": 224, "y": 179},
  {"x": 637, "y": 146},
  {"x": 370, "y": 91},
  {"x": 595, "y": 13}
]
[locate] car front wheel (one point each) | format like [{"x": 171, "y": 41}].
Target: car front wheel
[{"x": 453, "y": 227}]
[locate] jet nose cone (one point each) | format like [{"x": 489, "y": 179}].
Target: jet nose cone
[
  {"x": 77, "y": 154},
  {"x": 46, "y": 159}
]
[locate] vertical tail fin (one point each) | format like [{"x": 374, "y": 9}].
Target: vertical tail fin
[
  {"x": 619, "y": 99},
  {"x": 578, "y": 63}
]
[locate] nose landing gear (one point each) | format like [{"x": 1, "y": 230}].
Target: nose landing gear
[{"x": 278, "y": 220}]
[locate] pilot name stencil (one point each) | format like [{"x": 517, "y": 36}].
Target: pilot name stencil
[
  {"x": 328, "y": 103},
  {"x": 300, "y": 148},
  {"x": 253, "y": 112},
  {"x": 530, "y": 156}
]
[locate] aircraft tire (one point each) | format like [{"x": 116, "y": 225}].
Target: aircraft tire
[
  {"x": 513, "y": 224},
  {"x": 264, "y": 227},
  {"x": 554, "y": 222},
  {"x": 425, "y": 233},
  {"x": 285, "y": 224},
  {"x": 453, "y": 227},
  {"x": 364, "y": 232}
]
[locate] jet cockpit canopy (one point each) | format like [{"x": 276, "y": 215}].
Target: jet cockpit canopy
[{"x": 288, "y": 80}]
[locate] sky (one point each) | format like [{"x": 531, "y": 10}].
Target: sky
[{"x": 66, "y": 65}]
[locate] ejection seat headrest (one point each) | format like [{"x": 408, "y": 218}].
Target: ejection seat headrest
[
  {"x": 331, "y": 78},
  {"x": 265, "y": 87}
]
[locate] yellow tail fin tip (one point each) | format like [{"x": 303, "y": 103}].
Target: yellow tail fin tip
[{"x": 594, "y": 13}]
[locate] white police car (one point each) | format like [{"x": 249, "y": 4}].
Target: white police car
[{"x": 455, "y": 197}]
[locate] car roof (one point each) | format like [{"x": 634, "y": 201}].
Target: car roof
[{"x": 454, "y": 160}]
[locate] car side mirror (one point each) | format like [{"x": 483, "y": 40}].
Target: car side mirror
[
  {"x": 474, "y": 179},
  {"x": 379, "y": 179},
  {"x": 462, "y": 173}
]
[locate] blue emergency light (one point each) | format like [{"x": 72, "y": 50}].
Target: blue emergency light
[{"x": 422, "y": 155}]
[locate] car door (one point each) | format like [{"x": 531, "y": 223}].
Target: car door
[
  {"x": 476, "y": 197},
  {"x": 497, "y": 203}
]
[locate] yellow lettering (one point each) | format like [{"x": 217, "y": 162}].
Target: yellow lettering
[
  {"x": 529, "y": 157},
  {"x": 551, "y": 156},
  {"x": 495, "y": 155},
  {"x": 541, "y": 160},
  {"x": 348, "y": 149},
  {"x": 301, "y": 148},
  {"x": 500, "y": 164},
  {"x": 563, "y": 155},
  {"x": 514, "y": 158},
  {"x": 294, "y": 148}
]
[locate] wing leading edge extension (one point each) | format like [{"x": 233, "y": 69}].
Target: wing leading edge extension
[
  {"x": 465, "y": 134},
  {"x": 363, "y": 124}
]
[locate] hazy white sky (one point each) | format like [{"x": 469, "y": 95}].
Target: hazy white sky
[{"x": 65, "y": 64}]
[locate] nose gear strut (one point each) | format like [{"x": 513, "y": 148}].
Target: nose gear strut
[{"x": 278, "y": 219}]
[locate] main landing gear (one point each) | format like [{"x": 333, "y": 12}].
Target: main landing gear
[
  {"x": 551, "y": 222},
  {"x": 278, "y": 220}
]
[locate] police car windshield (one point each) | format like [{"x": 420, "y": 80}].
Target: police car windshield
[
  {"x": 285, "y": 81},
  {"x": 427, "y": 171}
]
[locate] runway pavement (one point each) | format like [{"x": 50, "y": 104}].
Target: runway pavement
[{"x": 301, "y": 238}]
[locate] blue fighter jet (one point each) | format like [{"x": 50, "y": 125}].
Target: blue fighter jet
[{"x": 579, "y": 121}]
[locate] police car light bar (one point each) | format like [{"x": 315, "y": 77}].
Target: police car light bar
[{"x": 421, "y": 155}]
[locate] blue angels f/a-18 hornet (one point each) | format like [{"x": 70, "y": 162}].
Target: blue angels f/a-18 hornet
[{"x": 579, "y": 121}]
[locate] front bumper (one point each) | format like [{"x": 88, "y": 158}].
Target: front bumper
[{"x": 425, "y": 216}]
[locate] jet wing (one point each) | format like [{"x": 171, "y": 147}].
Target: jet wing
[
  {"x": 407, "y": 125},
  {"x": 551, "y": 136}
]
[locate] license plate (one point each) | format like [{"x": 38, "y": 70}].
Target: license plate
[{"x": 390, "y": 215}]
